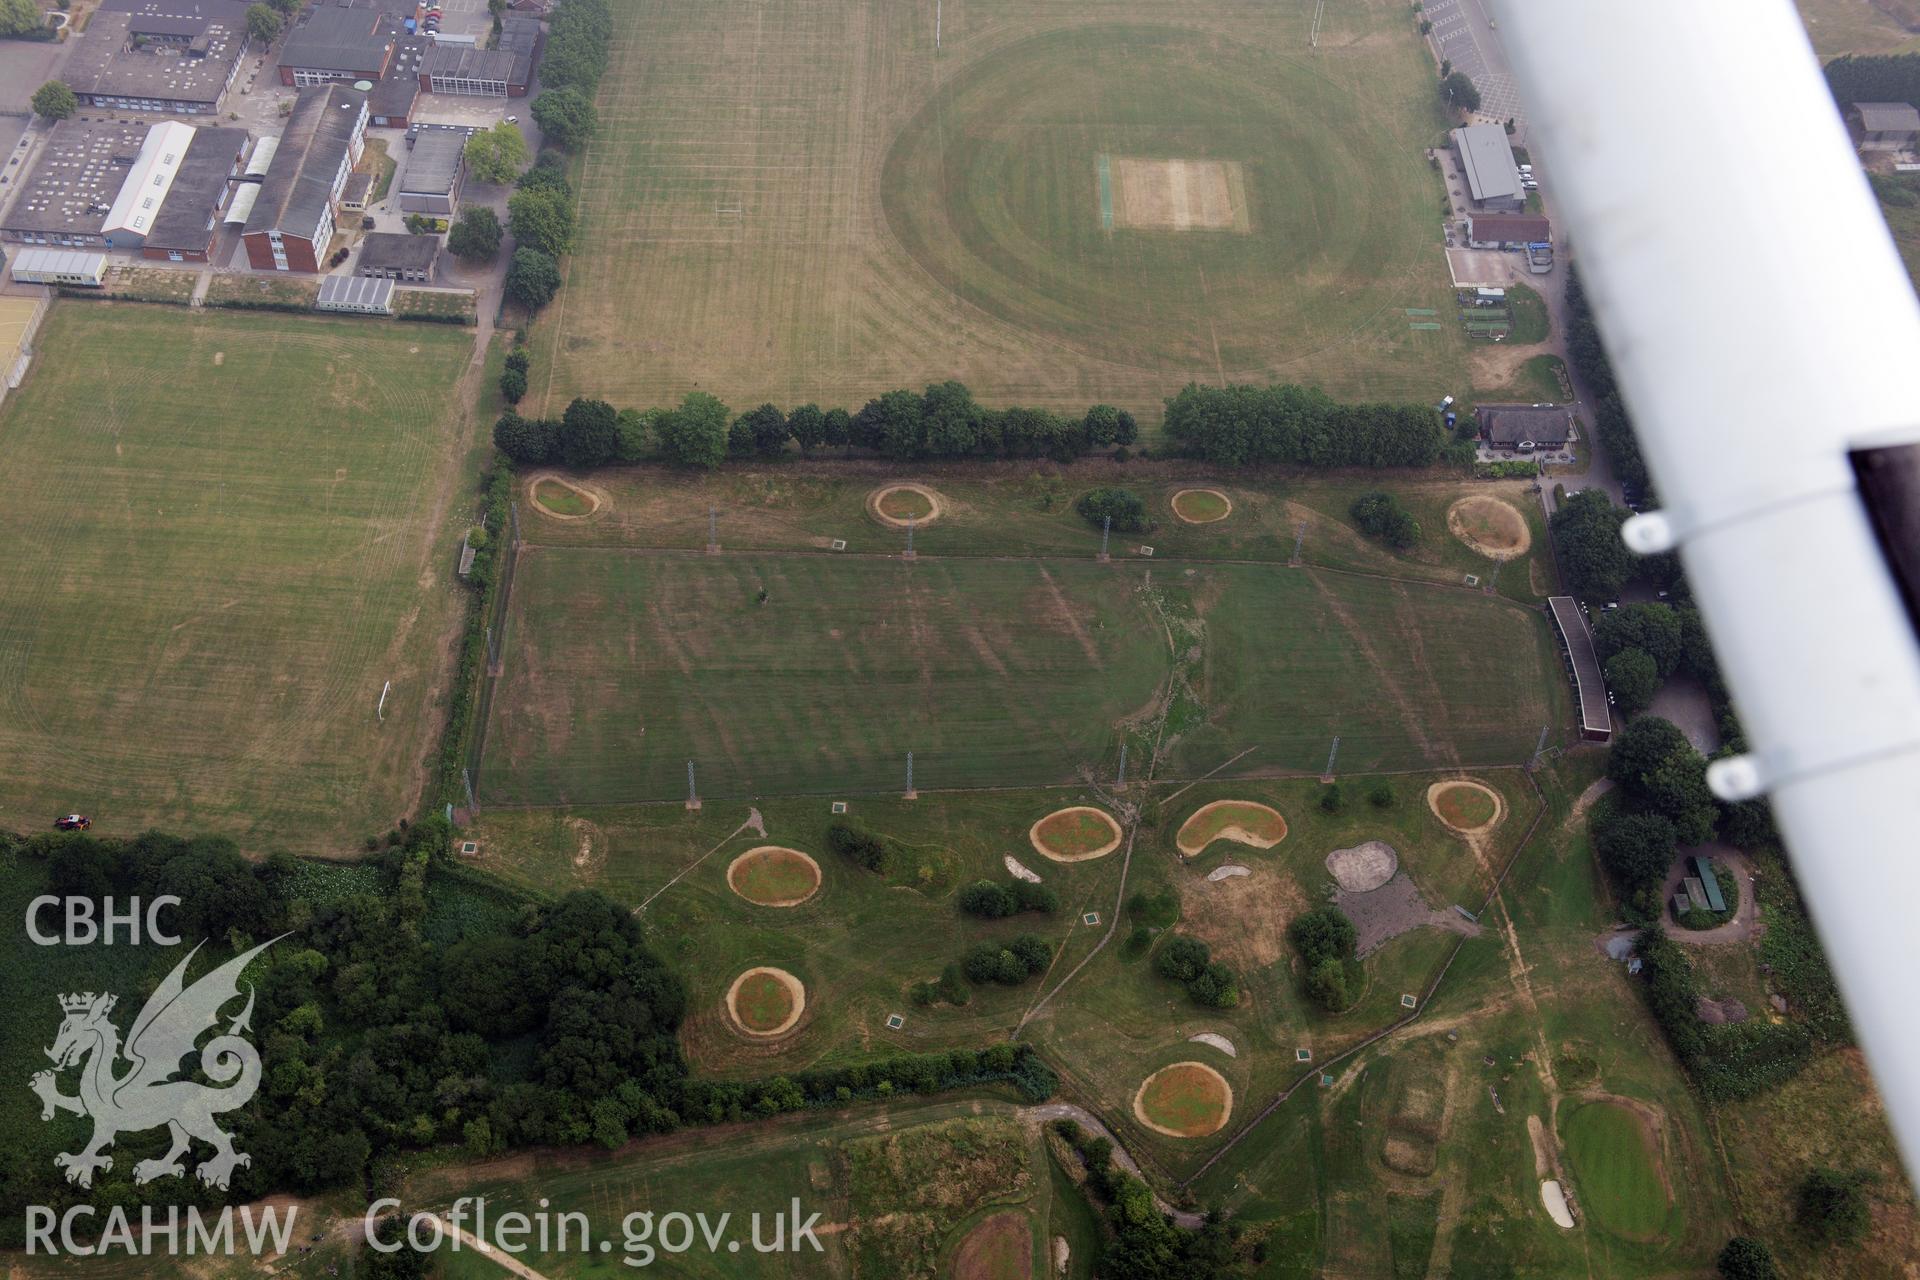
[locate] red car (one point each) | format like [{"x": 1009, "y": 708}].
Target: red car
[{"x": 74, "y": 822}]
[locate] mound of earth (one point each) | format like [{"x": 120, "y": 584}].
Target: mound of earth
[
  {"x": 773, "y": 876},
  {"x": 1491, "y": 526},
  {"x": 562, "y": 499},
  {"x": 1465, "y": 807},
  {"x": 1202, "y": 506},
  {"x": 1075, "y": 834},
  {"x": 1218, "y": 1041},
  {"x": 1364, "y": 867},
  {"x": 1242, "y": 821},
  {"x": 1000, "y": 1247},
  {"x": 900, "y": 504},
  {"x": 1185, "y": 1100},
  {"x": 765, "y": 1002}
]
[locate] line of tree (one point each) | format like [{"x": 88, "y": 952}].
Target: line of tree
[
  {"x": 992, "y": 901},
  {"x": 513, "y": 377},
  {"x": 1586, "y": 541},
  {"x": 1241, "y": 425},
  {"x": 1026, "y": 956},
  {"x": 1145, "y": 1244},
  {"x": 944, "y": 421},
  {"x": 1190, "y": 962},
  {"x": 1325, "y": 939},
  {"x": 533, "y": 274},
  {"x": 579, "y": 34},
  {"x": 1858, "y": 77},
  {"x": 1611, "y": 423},
  {"x": 720, "y": 1101}
]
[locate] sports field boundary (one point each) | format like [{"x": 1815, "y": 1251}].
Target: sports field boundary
[{"x": 495, "y": 656}]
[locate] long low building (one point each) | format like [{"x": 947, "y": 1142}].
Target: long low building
[
  {"x": 1525, "y": 427},
  {"x": 1596, "y": 717},
  {"x": 1493, "y": 176},
  {"x": 108, "y": 184},
  {"x": 59, "y": 267},
  {"x": 174, "y": 56},
  {"x": 1507, "y": 230},
  {"x": 294, "y": 213}
]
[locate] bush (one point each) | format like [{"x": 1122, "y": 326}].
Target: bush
[
  {"x": 1215, "y": 987},
  {"x": 1128, "y": 512},
  {"x": 1746, "y": 1258},
  {"x": 1380, "y": 795},
  {"x": 1327, "y": 984},
  {"x": 992, "y": 901},
  {"x": 1322, "y": 934},
  {"x": 533, "y": 277},
  {"x": 476, "y": 236},
  {"x": 1158, "y": 910},
  {"x": 513, "y": 385},
  {"x": 1832, "y": 1206},
  {"x": 852, "y": 841},
  {"x": 1331, "y": 801},
  {"x": 1182, "y": 959},
  {"x": 1380, "y": 515}
]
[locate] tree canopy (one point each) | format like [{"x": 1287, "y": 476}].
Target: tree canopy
[
  {"x": 565, "y": 117},
  {"x": 495, "y": 156},
  {"x": 1239, "y": 425},
  {"x": 1586, "y": 536},
  {"x": 54, "y": 101},
  {"x": 1459, "y": 92},
  {"x": 1660, "y": 772},
  {"x": 476, "y": 236},
  {"x": 533, "y": 277},
  {"x": 263, "y": 22},
  {"x": 1633, "y": 678},
  {"x": 1651, "y": 627},
  {"x": 541, "y": 218},
  {"x": 695, "y": 433}
]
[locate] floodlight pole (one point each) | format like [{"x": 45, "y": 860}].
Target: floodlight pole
[
  {"x": 1120, "y": 783},
  {"x": 911, "y": 793},
  {"x": 693, "y": 797},
  {"x": 1333, "y": 752},
  {"x": 1106, "y": 528},
  {"x": 1539, "y": 749}
]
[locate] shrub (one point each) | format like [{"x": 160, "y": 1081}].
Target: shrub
[
  {"x": 1746, "y": 1258},
  {"x": 1182, "y": 959},
  {"x": 513, "y": 385},
  {"x": 853, "y": 841},
  {"x": 1380, "y": 795},
  {"x": 1331, "y": 801},
  {"x": 1215, "y": 987},
  {"x": 1327, "y": 984},
  {"x": 1158, "y": 910},
  {"x": 1128, "y": 512},
  {"x": 1322, "y": 934},
  {"x": 986, "y": 899},
  {"x": 1832, "y": 1206},
  {"x": 1380, "y": 515},
  {"x": 476, "y": 236}
]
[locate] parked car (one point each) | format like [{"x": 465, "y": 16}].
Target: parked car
[
  {"x": 513, "y": 119},
  {"x": 73, "y": 822}
]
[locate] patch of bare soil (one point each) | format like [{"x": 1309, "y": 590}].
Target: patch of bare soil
[
  {"x": 996, "y": 1249},
  {"x": 1365, "y": 867},
  {"x": 877, "y": 499},
  {"x": 1393, "y": 909},
  {"x": 1193, "y": 1081},
  {"x": 1497, "y": 364},
  {"x": 1090, "y": 814},
  {"x": 1491, "y": 526},
  {"x": 1225, "y": 502},
  {"x": 1243, "y": 918},
  {"x": 591, "y": 854}
]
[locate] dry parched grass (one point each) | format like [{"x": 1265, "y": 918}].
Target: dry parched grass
[
  {"x": 1185, "y": 1100},
  {"x": 1000, "y": 1247}
]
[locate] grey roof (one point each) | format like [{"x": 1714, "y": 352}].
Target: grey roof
[
  {"x": 1571, "y": 619},
  {"x": 1487, "y": 157},
  {"x": 158, "y": 11},
  {"x": 299, "y": 183},
  {"x": 396, "y": 94},
  {"x": 1539, "y": 423},
  {"x": 105, "y": 63},
  {"x": 200, "y": 185},
  {"x": 355, "y": 291},
  {"x": 80, "y": 170},
  {"x": 337, "y": 39},
  {"x": 1888, "y": 117},
  {"x": 453, "y": 61},
  {"x": 433, "y": 166},
  {"x": 397, "y": 251}
]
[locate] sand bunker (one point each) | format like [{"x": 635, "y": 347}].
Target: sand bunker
[
  {"x": 1242, "y": 821},
  {"x": 1556, "y": 1201},
  {"x": 773, "y": 876},
  {"x": 1153, "y": 194},
  {"x": 1492, "y": 527},
  {"x": 1228, "y": 872},
  {"x": 892, "y": 505},
  {"x": 1185, "y": 1100},
  {"x": 1464, "y": 807},
  {"x": 1219, "y": 1042},
  {"x": 1202, "y": 506},
  {"x": 1020, "y": 871},
  {"x": 561, "y": 511},
  {"x": 755, "y": 1005},
  {"x": 1075, "y": 834},
  {"x": 1365, "y": 867}
]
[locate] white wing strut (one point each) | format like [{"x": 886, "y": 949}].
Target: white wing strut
[{"x": 1761, "y": 327}]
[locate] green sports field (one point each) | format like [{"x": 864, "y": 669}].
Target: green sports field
[
  {"x": 221, "y": 542},
  {"x": 1057, "y": 204}
]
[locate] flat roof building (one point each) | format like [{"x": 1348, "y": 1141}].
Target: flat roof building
[
  {"x": 434, "y": 168},
  {"x": 65, "y": 198},
  {"x": 173, "y": 56},
  {"x": 1525, "y": 426},
  {"x": 1486, "y": 159},
  {"x": 355, "y": 294},
  {"x": 337, "y": 43},
  {"x": 505, "y": 71},
  {"x": 292, "y": 219},
  {"x": 391, "y": 102},
  {"x": 59, "y": 266},
  {"x": 395, "y": 255}
]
